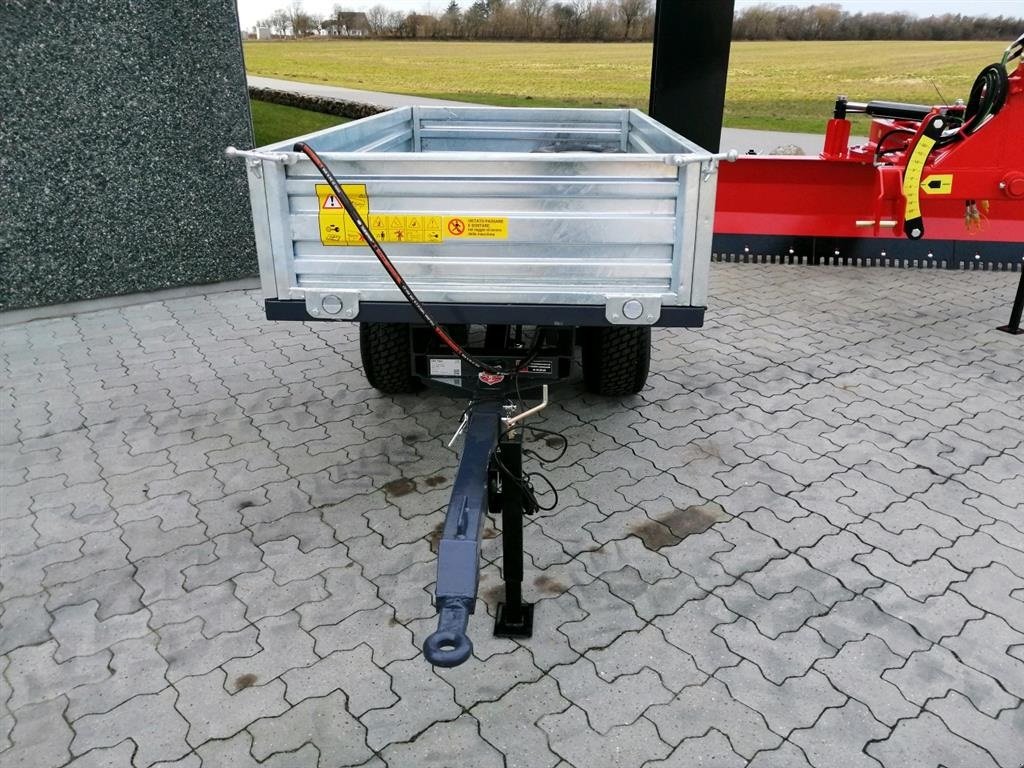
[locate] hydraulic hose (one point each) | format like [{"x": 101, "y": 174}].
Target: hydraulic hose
[
  {"x": 393, "y": 272},
  {"x": 988, "y": 94}
]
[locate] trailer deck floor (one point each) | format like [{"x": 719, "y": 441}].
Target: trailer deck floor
[{"x": 803, "y": 544}]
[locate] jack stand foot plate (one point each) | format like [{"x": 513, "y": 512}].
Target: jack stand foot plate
[
  {"x": 1008, "y": 329},
  {"x": 522, "y": 628}
]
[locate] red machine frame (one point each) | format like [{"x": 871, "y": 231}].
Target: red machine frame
[{"x": 954, "y": 197}]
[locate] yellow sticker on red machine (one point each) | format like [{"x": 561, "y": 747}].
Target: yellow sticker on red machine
[
  {"x": 476, "y": 227},
  {"x": 938, "y": 184},
  {"x": 336, "y": 226}
]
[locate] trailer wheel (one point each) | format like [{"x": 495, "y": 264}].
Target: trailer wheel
[
  {"x": 386, "y": 350},
  {"x": 616, "y": 359}
]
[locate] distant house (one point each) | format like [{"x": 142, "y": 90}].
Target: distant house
[
  {"x": 263, "y": 33},
  {"x": 347, "y": 24}
]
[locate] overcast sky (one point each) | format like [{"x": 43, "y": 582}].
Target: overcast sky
[{"x": 251, "y": 11}]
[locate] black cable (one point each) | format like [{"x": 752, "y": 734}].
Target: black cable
[
  {"x": 547, "y": 459},
  {"x": 393, "y": 273},
  {"x": 525, "y": 483},
  {"x": 885, "y": 136},
  {"x": 988, "y": 94}
]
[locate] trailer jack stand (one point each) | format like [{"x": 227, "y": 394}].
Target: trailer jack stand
[
  {"x": 489, "y": 478},
  {"x": 514, "y": 617}
]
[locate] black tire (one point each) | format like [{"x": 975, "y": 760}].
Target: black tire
[
  {"x": 386, "y": 350},
  {"x": 616, "y": 359}
]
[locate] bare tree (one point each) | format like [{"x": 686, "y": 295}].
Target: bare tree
[
  {"x": 278, "y": 22},
  {"x": 301, "y": 23},
  {"x": 530, "y": 13},
  {"x": 451, "y": 21},
  {"x": 567, "y": 19},
  {"x": 377, "y": 20},
  {"x": 630, "y": 12}
]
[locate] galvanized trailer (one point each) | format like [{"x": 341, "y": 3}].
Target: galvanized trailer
[
  {"x": 560, "y": 217},
  {"x": 588, "y": 226}
]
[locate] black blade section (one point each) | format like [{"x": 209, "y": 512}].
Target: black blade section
[{"x": 867, "y": 252}]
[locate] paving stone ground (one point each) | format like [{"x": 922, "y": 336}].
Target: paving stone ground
[{"x": 802, "y": 544}]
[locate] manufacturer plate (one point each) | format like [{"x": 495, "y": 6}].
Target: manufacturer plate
[{"x": 445, "y": 366}]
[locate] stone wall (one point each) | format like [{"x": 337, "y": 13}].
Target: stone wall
[{"x": 112, "y": 172}]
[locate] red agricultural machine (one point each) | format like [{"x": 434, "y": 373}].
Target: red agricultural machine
[{"x": 933, "y": 186}]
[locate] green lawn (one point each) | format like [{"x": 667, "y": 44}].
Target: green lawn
[
  {"x": 777, "y": 85},
  {"x": 275, "y": 122}
]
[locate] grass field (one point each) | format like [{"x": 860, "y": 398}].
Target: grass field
[
  {"x": 788, "y": 86},
  {"x": 276, "y": 122}
]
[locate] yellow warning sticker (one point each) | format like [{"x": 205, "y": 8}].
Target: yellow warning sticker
[
  {"x": 337, "y": 228},
  {"x": 938, "y": 184},
  {"x": 477, "y": 227}
]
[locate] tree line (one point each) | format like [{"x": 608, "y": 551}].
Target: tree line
[
  {"x": 831, "y": 22},
  {"x": 607, "y": 20}
]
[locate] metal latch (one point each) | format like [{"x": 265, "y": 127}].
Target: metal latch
[{"x": 332, "y": 305}]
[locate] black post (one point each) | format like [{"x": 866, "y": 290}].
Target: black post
[
  {"x": 688, "y": 72},
  {"x": 1018, "y": 308},
  {"x": 514, "y": 618}
]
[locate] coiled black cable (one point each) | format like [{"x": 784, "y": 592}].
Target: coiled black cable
[{"x": 988, "y": 94}]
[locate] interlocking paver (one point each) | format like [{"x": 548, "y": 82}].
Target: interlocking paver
[
  {"x": 79, "y": 632},
  {"x": 366, "y": 686},
  {"x": 713, "y": 749},
  {"x": 323, "y": 722},
  {"x": 133, "y": 667},
  {"x": 839, "y": 737},
  {"x": 41, "y": 735},
  {"x": 423, "y": 698},
  {"x": 984, "y": 645},
  {"x": 796, "y": 703},
  {"x": 151, "y": 721},
  {"x": 790, "y": 654},
  {"x": 858, "y": 671},
  {"x": 1002, "y": 736},
  {"x": 609, "y": 702},
  {"x": 933, "y": 673},
  {"x": 188, "y": 652},
  {"x": 786, "y": 756},
  {"x": 214, "y": 712},
  {"x": 510, "y": 724},
  {"x": 697, "y": 709},
  {"x": 924, "y": 742},
  {"x": 445, "y": 743},
  {"x": 935, "y": 617},
  {"x": 816, "y": 500},
  {"x": 570, "y": 736}
]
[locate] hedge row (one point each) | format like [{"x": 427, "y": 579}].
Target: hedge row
[{"x": 338, "y": 107}]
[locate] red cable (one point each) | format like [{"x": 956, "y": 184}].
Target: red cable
[{"x": 392, "y": 271}]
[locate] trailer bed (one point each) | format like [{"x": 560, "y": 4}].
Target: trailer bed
[{"x": 561, "y": 216}]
